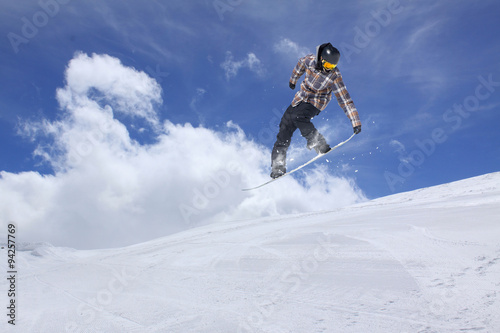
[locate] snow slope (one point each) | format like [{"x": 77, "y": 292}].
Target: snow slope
[{"x": 422, "y": 261}]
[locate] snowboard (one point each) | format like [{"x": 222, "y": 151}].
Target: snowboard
[{"x": 300, "y": 167}]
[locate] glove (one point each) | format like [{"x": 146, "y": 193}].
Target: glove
[
  {"x": 357, "y": 129},
  {"x": 292, "y": 86}
]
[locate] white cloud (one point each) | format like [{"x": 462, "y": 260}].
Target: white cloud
[
  {"x": 399, "y": 149},
  {"x": 422, "y": 34},
  {"x": 251, "y": 62},
  {"x": 133, "y": 93},
  {"x": 109, "y": 190},
  {"x": 200, "y": 92},
  {"x": 398, "y": 146},
  {"x": 290, "y": 48}
]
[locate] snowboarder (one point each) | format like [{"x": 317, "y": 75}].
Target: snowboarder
[{"x": 322, "y": 79}]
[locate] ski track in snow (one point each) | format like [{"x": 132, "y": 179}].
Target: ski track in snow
[{"x": 423, "y": 261}]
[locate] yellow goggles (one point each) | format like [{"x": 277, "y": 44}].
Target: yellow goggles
[{"x": 328, "y": 66}]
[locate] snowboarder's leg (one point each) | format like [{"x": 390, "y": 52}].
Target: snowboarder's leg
[
  {"x": 315, "y": 140},
  {"x": 283, "y": 139}
]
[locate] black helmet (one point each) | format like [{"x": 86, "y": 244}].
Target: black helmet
[{"x": 330, "y": 54}]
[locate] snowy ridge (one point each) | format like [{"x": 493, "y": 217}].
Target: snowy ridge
[
  {"x": 421, "y": 261},
  {"x": 465, "y": 190}
]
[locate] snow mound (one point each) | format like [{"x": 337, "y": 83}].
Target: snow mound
[{"x": 422, "y": 261}]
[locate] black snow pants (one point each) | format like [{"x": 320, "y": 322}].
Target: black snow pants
[{"x": 293, "y": 118}]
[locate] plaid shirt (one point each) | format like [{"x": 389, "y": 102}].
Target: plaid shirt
[{"x": 318, "y": 86}]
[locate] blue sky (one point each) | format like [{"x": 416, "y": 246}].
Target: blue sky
[{"x": 425, "y": 77}]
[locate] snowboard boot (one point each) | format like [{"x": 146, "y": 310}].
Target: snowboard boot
[
  {"x": 277, "y": 170},
  {"x": 323, "y": 149},
  {"x": 278, "y": 159},
  {"x": 317, "y": 142},
  {"x": 320, "y": 148}
]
